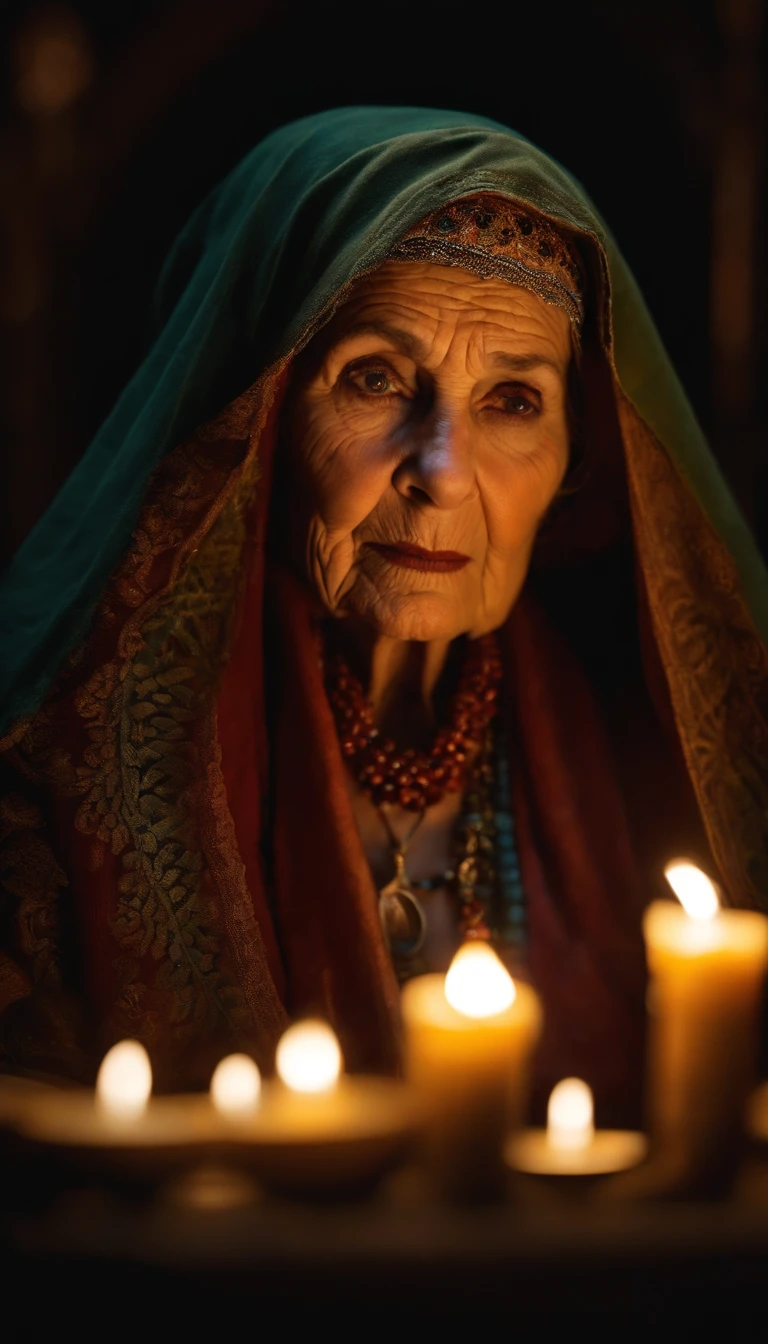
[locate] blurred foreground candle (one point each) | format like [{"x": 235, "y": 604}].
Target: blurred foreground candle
[
  {"x": 236, "y": 1087},
  {"x": 309, "y": 1058},
  {"x": 311, "y": 1130},
  {"x": 118, "y": 1129},
  {"x": 570, "y": 1145},
  {"x": 468, "y": 1041},
  {"x": 707, "y": 969},
  {"x": 124, "y": 1081},
  {"x": 120, "y": 1112},
  {"x": 318, "y": 1131},
  {"x": 570, "y": 1116}
]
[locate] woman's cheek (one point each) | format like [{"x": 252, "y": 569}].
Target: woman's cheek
[
  {"x": 506, "y": 495},
  {"x": 512, "y": 509},
  {"x": 552, "y": 456},
  {"x": 347, "y": 471}
]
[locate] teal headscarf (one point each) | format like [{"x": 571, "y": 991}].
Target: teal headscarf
[{"x": 255, "y": 271}]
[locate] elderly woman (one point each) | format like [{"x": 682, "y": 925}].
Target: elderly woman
[{"x": 398, "y": 602}]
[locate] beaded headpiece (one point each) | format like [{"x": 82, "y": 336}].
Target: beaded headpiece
[{"x": 493, "y": 236}]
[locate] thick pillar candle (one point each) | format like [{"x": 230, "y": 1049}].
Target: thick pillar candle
[
  {"x": 707, "y": 969},
  {"x": 468, "y": 1041}
]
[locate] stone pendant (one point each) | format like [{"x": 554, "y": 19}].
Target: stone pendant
[{"x": 402, "y": 914}]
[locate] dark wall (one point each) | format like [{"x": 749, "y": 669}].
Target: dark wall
[
  {"x": 627, "y": 97},
  {"x": 573, "y": 86}
]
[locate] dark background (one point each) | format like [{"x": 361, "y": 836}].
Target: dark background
[{"x": 117, "y": 117}]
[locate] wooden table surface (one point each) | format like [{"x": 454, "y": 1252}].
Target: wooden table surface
[{"x": 544, "y": 1255}]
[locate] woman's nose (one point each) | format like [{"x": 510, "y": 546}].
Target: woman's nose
[{"x": 439, "y": 469}]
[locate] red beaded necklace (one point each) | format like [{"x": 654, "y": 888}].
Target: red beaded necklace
[{"x": 416, "y": 779}]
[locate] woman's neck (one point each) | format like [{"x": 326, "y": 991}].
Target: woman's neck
[
  {"x": 403, "y": 677},
  {"x": 400, "y": 677}
]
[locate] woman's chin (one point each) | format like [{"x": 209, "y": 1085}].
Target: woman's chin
[{"x": 420, "y": 617}]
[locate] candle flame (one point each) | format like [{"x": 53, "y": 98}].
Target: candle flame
[
  {"x": 477, "y": 984},
  {"x": 693, "y": 889},
  {"x": 124, "y": 1081},
  {"x": 309, "y": 1057},
  {"x": 236, "y": 1086},
  {"x": 570, "y": 1115}
]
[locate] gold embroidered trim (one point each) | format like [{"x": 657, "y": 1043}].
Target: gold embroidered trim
[
  {"x": 715, "y": 662},
  {"x": 490, "y": 235},
  {"x": 192, "y": 962}
]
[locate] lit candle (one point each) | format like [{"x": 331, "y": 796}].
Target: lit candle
[
  {"x": 124, "y": 1081},
  {"x": 316, "y": 1130},
  {"x": 119, "y": 1113},
  {"x": 309, "y": 1058},
  {"x": 236, "y": 1087},
  {"x": 707, "y": 969},
  {"x": 570, "y": 1145},
  {"x": 309, "y": 1097},
  {"x": 570, "y": 1117},
  {"x": 468, "y": 1039},
  {"x": 310, "y": 1130}
]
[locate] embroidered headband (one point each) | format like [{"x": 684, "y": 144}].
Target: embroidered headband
[{"x": 492, "y": 236}]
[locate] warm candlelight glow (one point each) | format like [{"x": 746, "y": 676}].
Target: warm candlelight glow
[
  {"x": 309, "y": 1057},
  {"x": 124, "y": 1081},
  {"x": 477, "y": 984},
  {"x": 236, "y": 1086},
  {"x": 570, "y": 1122},
  {"x": 693, "y": 889},
  {"x": 707, "y": 970}
]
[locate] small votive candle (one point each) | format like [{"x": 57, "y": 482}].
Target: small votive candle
[
  {"x": 121, "y": 1115},
  {"x": 124, "y": 1082},
  {"x": 236, "y": 1088},
  {"x": 707, "y": 969},
  {"x": 570, "y": 1117},
  {"x": 309, "y": 1058},
  {"x": 570, "y": 1145},
  {"x": 468, "y": 1041},
  {"x": 316, "y": 1130}
]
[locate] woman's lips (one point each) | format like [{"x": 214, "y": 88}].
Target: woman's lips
[{"x": 406, "y": 555}]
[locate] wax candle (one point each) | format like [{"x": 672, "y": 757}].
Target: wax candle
[
  {"x": 707, "y": 968},
  {"x": 120, "y": 1114},
  {"x": 468, "y": 1041},
  {"x": 236, "y": 1088},
  {"x": 570, "y": 1146},
  {"x": 124, "y": 1082},
  {"x": 116, "y": 1133},
  {"x": 313, "y": 1129},
  {"x": 310, "y": 1130},
  {"x": 309, "y": 1059}
]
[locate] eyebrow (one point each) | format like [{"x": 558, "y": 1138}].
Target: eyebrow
[
  {"x": 416, "y": 349},
  {"x": 523, "y": 363},
  {"x": 407, "y": 342}
]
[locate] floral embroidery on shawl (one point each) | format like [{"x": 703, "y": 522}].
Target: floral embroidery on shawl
[
  {"x": 146, "y": 765},
  {"x": 715, "y": 663}
]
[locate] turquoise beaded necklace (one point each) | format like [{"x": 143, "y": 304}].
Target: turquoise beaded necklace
[{"x": 487, "y": 878}]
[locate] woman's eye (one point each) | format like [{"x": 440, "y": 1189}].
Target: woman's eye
[
  {"x": 376, "y": 382},
  {"x": 517, "y": 403},
  {"x": 372, "y": 382}
]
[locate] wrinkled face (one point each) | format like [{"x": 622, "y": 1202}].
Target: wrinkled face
[{"x": 430, "y": 428}]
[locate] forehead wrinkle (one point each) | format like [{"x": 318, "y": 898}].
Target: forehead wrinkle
[
  {"x": 479, "y": 329},
  {"x": 537, "y": 351},
  {"x": 505, "y": 360},
  {"x": 431, "y": 322},
  {"x": 406, "y": 341}
]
